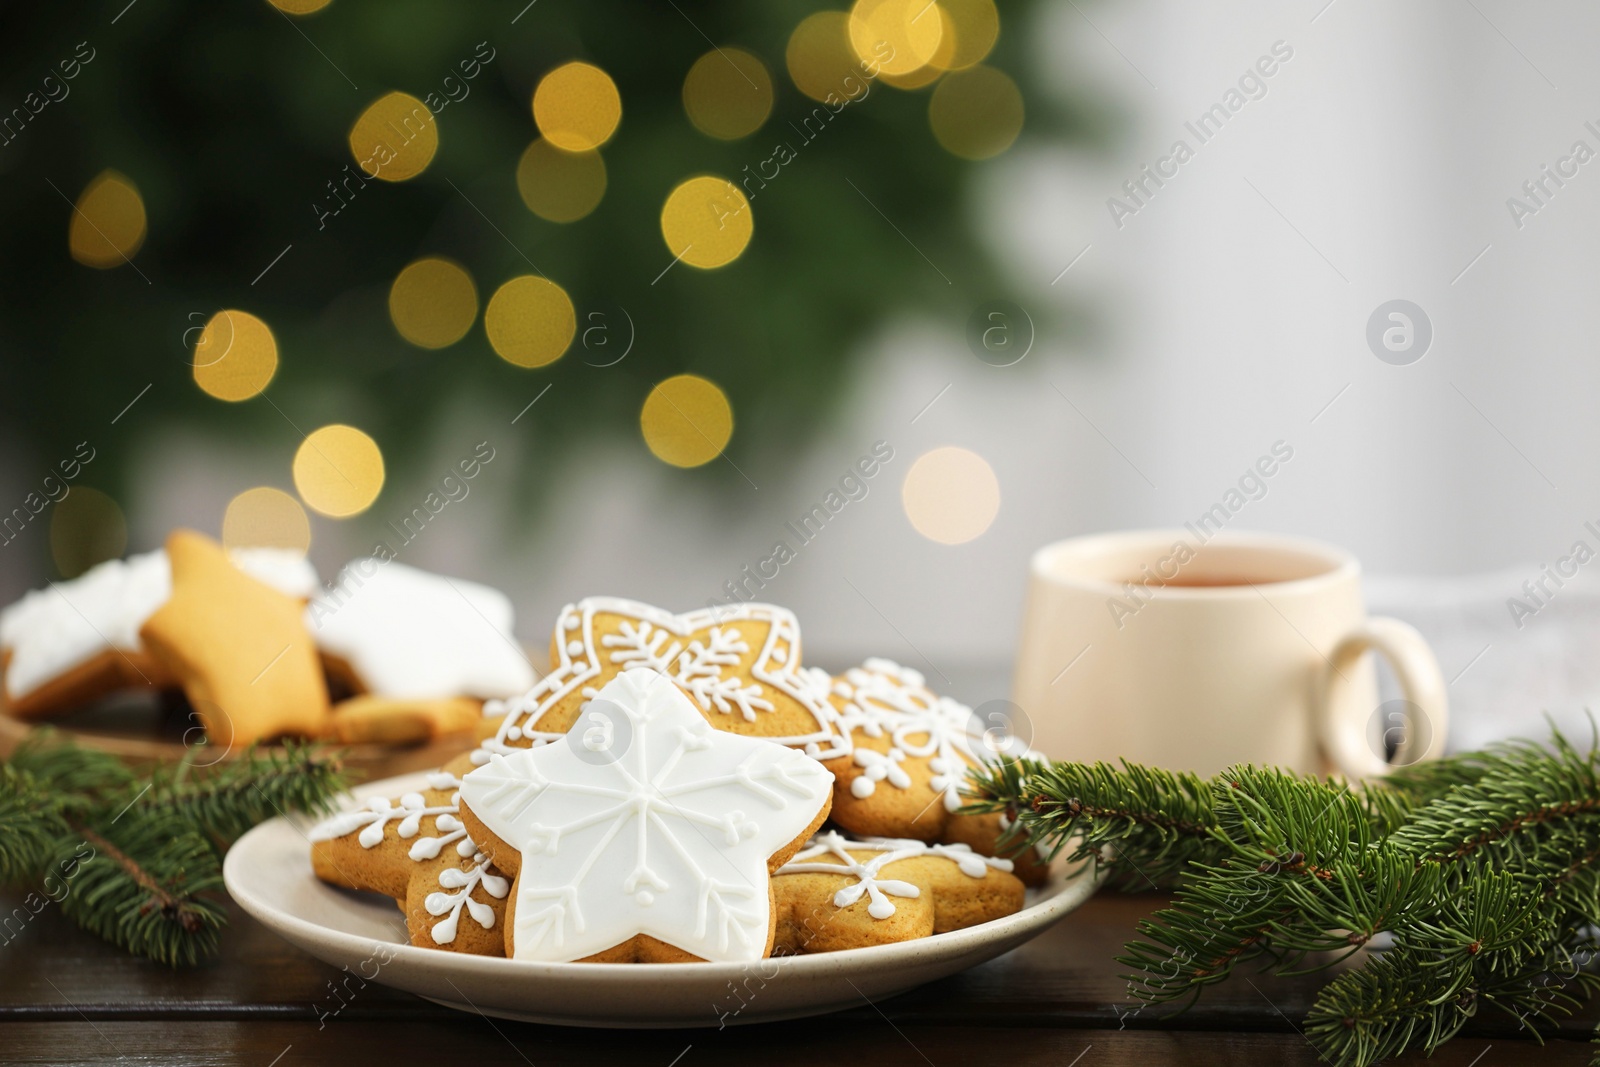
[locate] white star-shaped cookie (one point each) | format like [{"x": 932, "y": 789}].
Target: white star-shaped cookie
[
  {"x": 644, "y": 821},
  {"x": 408, "y": 634}
]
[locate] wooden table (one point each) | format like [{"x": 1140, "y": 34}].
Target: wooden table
[{"x": 67, "y": 998}]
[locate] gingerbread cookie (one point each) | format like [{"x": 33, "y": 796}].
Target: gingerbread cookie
[
  {"x": 911, "y": 750},
  {"x": 237, "y": 646},
  {"x": 644, "y": 834},
  {"x": 394, "y": 631},
  {"x": 416, "y": 850},
  {"x": 837, "y": 893},
  {"x": 740, "y": 665},
  {"x": 78, "y": 640},
  {"x": 383, "y": 720}
]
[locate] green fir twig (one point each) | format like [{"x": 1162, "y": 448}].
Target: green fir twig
[
  {"x": 137, "y": 859},
  {"x": 1483, "y": 869}
]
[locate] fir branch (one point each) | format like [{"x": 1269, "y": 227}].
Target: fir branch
[
  {"x": 77, "y": 777},
  {"x": 1143, "y": 824},
  {"x": 151, "y": 887},
  {"x": 1389, "y": 1006},
  {"x": 30, "y": 823},
  {"x": 232, "y": 797},
  {"x": 1300, "y": 862},
  {"x": 138, "y": 861},
  {"x": 1485, "y": 868},
  {"x": 1427, "y": 780},
  {"x": 1522, "y": 788}
]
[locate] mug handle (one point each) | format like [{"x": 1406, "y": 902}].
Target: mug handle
[{"x": 1421, "y": 682}]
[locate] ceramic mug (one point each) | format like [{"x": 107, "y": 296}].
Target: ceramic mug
[{"x": 1194, "y": 653}]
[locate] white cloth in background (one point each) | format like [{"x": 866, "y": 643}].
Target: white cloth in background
[{"x": 1503, "y": 679}]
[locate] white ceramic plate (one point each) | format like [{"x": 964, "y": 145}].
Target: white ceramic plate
[{"x": 269, "y": 873}]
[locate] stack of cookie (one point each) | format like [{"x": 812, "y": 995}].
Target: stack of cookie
[
  {"x": 679, "y": 787},
  {"x": 260, "y": 650}
]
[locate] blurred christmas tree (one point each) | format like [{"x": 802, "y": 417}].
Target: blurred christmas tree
[{"x": 220, "y": 158}]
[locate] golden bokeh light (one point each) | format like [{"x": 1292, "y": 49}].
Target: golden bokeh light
[
  {"x": 577, "y": 107},
  {"x": 727, "y": 94},
  {"x": 976, "y": 113},
  {"x": 395, "y": 138},
  {"x": 896, "y": 36},
  {"x": 299, "y": 7},
  {"x": 338, "y": 471},
  {"x": 87, "y": 528},
  {"x": 950, "y": 495},
  {"x": 971, "y": 28},
  {"x": 235, "y": 357},
  {"x": 530, "y": 321},
  {"x": 433, "y": 302},
  {"x": 920, "y": 78},
  {"x": 108, "y": 222},
  {"x": 819, "y": 58},
  {"x": 560, "y": 186},
  {"x": 707, "y": 222},
  {"x": 265, "y": 517},
  {"x": 686, "y": 421}
]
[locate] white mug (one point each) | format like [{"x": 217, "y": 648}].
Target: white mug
[{"x": 1173, "y": 649}]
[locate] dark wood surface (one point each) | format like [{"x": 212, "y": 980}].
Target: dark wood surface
[{"x": 66, "y": 998}]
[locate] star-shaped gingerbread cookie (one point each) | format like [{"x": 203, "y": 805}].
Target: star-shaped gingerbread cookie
[
  {"x": 416, "y": 850},
  {"x": 910, "y": 753},
  {"x": 740, "y": 665},
  {"x": 643, "y": 835},
  {"x": 237, "y": 646},
  {"x": 838, "y": 893}
]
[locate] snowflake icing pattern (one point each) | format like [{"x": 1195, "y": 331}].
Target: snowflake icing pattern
[
  {"x": 705, "y": 666},
  {"x": 883, "y": 697},
  {"x": 697, "y": 668},
  {"x": 669, "y": 839}
]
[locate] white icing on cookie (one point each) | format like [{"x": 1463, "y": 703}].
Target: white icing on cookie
[
  {"x": 882, "y": 698},
  {"x": 371, "y": 818},
  {"x": 285, "y": 569},
  {"x": 867, "y": 872},
  {"x": 659, "y": 640},
  {"x": 378, "y": 812},
  {"x": 463, "y": 882},
  {"x": 668, "y": 837},
  {"x": 54, "y": 630},
  {"x": 413, "y": 635}
]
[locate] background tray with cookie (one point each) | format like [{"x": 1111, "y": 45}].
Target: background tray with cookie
[{"x": 193, "y": 647}]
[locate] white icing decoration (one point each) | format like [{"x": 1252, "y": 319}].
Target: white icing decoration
[
  {"x": 54, "y": 630},
  {"x": 670, "y": 839},
  {"x": 654, "y": 638},
  {"x": 413, "y": 635},
  {"x": 464, "y": 882},
  {"x": 868, "y": 882},
  {"x": 878, "y": 767},
  {"x": 285, "y": 569},
  {"x": 376, "y": 813},
  {"x": 885, "y": 699}
]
